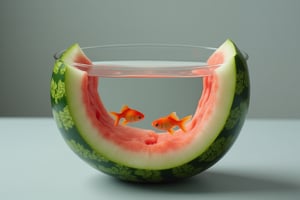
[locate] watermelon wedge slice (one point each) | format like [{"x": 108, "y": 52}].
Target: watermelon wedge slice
[{"x": 139, "y": 155}]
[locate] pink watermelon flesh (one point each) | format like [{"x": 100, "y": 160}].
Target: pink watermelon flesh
[{"x": 142, "y": 140}]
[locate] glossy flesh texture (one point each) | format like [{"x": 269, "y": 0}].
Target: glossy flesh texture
[{"x": 140, "y": 155}]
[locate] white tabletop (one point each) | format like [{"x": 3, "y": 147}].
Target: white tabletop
[{"x": 36, "y": 164}]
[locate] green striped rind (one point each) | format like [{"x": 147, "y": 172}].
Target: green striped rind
[{"x": 214, "y": 152}]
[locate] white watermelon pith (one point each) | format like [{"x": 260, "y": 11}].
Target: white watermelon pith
[{"x": 140, "y": 155}]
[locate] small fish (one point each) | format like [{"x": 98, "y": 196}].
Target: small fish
[
  {"x": 128, "y": 114},
  {"x": 168, "y": 122}
]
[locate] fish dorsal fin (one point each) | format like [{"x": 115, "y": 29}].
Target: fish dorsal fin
[
  {"x": 173, "y": 116},
  {"x": 124, "y": 108}
]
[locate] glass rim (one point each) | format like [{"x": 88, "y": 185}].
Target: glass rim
[{"x": 116, "y": 70}]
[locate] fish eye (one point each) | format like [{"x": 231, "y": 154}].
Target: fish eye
[
  {"x": 156, "y": 124},
  {"x": 140, "y": 117}
]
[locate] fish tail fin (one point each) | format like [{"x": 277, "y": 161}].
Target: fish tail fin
[
  {"x": 183, "y": 121},
  {"x": 117, "y": 116}
]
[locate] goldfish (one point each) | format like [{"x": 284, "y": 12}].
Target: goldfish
[
  {"x": 168, "y": 122},
  {"x": 128, "y": 114}
]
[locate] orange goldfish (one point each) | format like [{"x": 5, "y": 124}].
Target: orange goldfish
[
  {"x": 128, "y": 114},
  {"x": 168, "y": 122}
]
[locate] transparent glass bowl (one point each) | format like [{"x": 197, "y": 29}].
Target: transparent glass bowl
[{"x": 216, "y": 122}]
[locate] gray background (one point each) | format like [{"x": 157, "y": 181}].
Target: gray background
[{"x": 31, "y": 31}]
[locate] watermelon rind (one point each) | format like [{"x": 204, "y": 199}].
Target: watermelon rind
[{"x": 220, "y": 132}]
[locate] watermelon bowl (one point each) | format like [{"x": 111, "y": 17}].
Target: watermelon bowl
[{"x": 140, "y": 154}]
